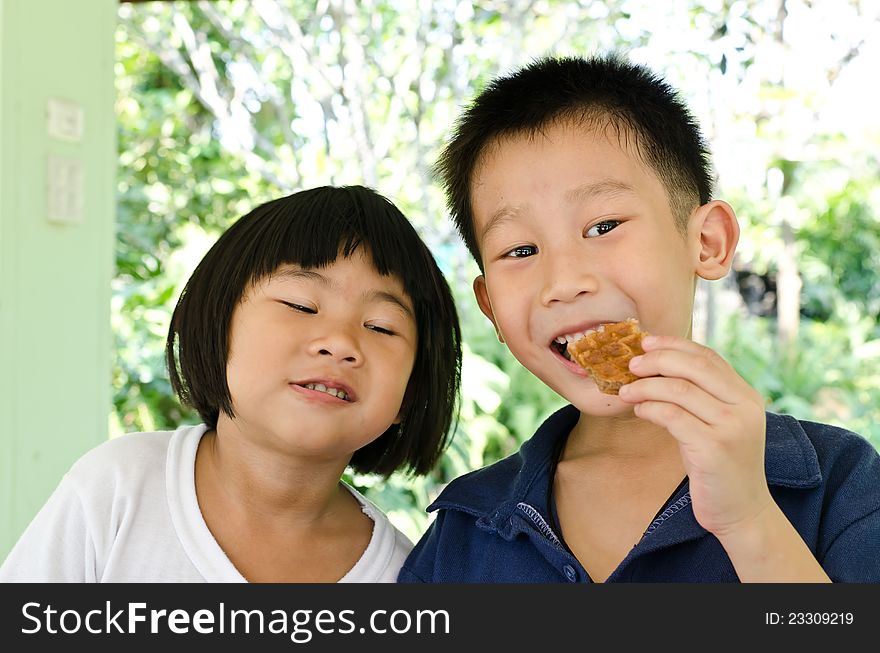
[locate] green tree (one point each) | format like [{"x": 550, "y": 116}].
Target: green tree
[{"x": 223, "y": 105}]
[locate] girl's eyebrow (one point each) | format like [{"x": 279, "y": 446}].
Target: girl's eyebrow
[
  {"x": 298, "y": 274},
  {"x": 370, "y": 296}
]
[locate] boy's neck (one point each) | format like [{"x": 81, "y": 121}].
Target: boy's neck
[{"x": 619, "y": 437}]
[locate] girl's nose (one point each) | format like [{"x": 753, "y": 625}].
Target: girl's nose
[{"x": 338, "y": 345}]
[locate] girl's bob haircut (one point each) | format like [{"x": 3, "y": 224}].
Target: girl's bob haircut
[{"x": 311, "y": 229}]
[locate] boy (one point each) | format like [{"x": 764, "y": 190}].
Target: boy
[{"x": 583, "y": 190}]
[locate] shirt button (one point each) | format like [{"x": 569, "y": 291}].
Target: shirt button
[{"x": 570, "y": 573}]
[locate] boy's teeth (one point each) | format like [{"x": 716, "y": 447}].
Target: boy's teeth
[
  {"x": 573, "y": 337},
  {"x": 320, "y": 387},
  {"x": 570, "y": 337}
]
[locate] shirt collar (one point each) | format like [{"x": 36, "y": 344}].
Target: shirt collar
[
  {"x": 790, "y": 458},
  {"x": 493, "y": 492}
]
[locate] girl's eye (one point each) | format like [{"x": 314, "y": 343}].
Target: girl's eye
[
  {"x": 300, "y": 308},
  {"x": 601, "y": 228},
  {"x": 379, "y": 329},
  {"x": 522, "y": 251}
]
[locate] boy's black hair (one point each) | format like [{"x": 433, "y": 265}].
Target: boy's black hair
[
  {"x": 602, "y": 91},
  {"x": 311, "y": 229}
]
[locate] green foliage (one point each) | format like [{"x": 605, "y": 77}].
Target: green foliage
[
  {"x": 832, "y": 375},
  {"x": 224, "y": 105},
  {"x": 172, "y": 174},
  {"x": 843, "y": 246}
]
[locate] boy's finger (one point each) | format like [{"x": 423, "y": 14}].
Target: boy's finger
[
  {"x": 681, "y": 424},
  {"x": 701, "y": 366},
  {"x": 653, "y": 341},
  {"x": 677, "y": 391}
]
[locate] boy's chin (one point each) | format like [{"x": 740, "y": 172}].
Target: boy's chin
[{"x": 601, "y": 405}]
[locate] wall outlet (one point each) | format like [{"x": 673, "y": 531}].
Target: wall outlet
[
  {"x": 65, "y": 190},
  {"x": 66, "y": 120}
]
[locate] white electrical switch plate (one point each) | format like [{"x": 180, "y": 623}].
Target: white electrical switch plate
[
  {"x": 65, "y": 190},
  {"x": 66, "y": 120}
]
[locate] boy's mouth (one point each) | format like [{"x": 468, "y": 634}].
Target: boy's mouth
[
  {"x": 560, "y": 342},
  {"x": 561, "y": 349}
]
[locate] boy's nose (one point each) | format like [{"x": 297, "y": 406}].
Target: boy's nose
[{"x": 565, "y": 279}]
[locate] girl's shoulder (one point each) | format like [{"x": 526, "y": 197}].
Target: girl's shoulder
[
  {"x": 130, "y": 456},
  {"x": 388, "y": 547}
]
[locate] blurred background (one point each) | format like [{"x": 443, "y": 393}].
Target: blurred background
[{"x": 222, "y": 105}]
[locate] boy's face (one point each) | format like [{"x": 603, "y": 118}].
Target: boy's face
[{"x": 574, "y": 231}]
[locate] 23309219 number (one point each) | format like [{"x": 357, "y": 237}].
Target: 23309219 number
[{"x": 809, "y": 618}]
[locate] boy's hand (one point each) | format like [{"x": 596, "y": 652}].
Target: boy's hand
[{"x": 719, "y": 422}]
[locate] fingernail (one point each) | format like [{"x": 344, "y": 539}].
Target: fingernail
[
  {"x": 635, "y": 361},
  {"x": 648, "y": 340}
]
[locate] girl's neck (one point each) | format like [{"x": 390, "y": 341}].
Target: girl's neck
[
  {"x": 276, "y": 518},
  {"x": 265, "y": 483}
]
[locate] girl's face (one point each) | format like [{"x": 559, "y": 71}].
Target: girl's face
[{"x": 319, "y": 359}]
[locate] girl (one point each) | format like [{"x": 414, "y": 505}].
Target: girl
[{"x": 316, "y": 334}]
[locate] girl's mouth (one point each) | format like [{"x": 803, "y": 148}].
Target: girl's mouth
[{"x": 339, "y": 393}]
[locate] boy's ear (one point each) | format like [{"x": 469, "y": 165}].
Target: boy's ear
[
  {"x": 718, "y": 230},
  {"x": 482, "y": 295}
]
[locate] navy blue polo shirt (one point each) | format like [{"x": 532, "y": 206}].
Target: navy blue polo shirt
[{"x": 492, "y": 524}]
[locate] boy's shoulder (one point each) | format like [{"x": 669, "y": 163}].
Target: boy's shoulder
[
  {"x": 820, "y": 452},
  {"x": 512, "y": 479},
  {"x": 824, "y": 474},
  {"x": 480, "y": 491}
]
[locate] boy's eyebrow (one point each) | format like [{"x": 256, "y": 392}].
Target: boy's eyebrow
[
  {"x": 608, "y": 187},
  {"x": 597, "y": 188},
  {"x": 502, "y": 215},
  {"x": 370, "y": 296}
]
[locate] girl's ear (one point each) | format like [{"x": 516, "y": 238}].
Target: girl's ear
[
  {"x": 482, "y": 295},
  {"x": 718, "y": 230}
]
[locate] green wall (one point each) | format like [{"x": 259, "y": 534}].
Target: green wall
[{"x": 55, "y": 341}]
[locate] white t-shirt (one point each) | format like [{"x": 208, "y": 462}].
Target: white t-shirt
[{"x": 127, "y": 512}]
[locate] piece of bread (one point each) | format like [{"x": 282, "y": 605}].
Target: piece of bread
[{"x": 605, "y": 353}]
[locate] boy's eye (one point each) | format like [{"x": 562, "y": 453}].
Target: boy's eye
[
  {"x": 378, "y": 329},
  {"x": 522, "y": 251},
  {"x": 300, "y": 308},
  {"x": 601, "y": 228}
]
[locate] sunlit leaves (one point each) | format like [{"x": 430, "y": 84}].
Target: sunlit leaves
[{"x": 223, "y": 105}]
